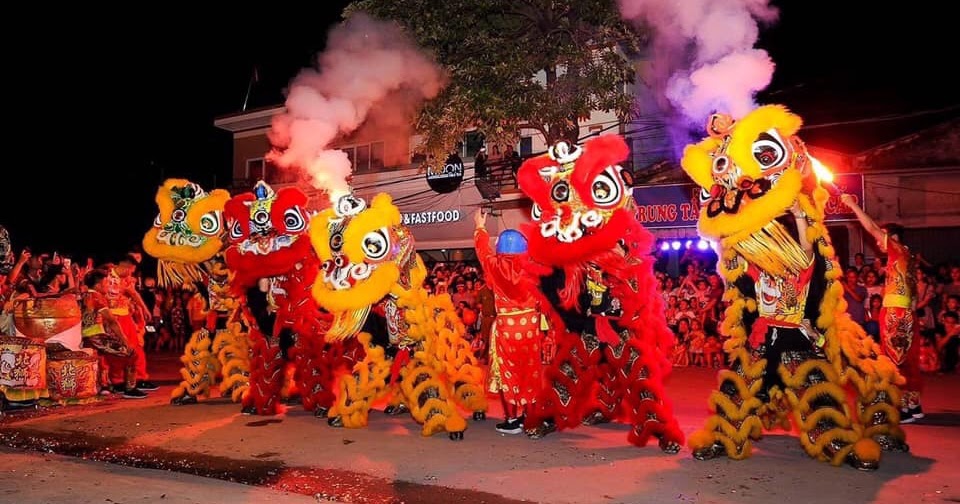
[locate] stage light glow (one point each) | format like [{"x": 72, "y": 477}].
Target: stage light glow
[
  {"x": 688, "y": 244},
  {"x": 676, "y": 245},
  {"x": 703, "y": 245},
  {"x": 665, "y": 246}
]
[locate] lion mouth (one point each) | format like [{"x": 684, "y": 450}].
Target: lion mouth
[
  {"x": 343, "y": 278},
  {"x": 266, "y": 245},
  {"x": 580, "y": 224},
  {"x": 175, "y": 239},
  {"x": 726, "y": 197}
]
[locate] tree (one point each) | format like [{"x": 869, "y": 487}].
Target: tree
[{"x": 512, "y": 64}]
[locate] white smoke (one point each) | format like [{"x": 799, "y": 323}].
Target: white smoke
[
  {"x": 704, "y": 54},
  {"x": 365, "y": 61}
]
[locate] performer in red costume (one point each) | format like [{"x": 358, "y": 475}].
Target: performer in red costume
[
  {"x": 275, "y": 267},
  {"x": 124, "y": 299},
  {"x": 598, "y": 286},
  {"x": 899, "y": 333},
  {"x": 515, "y": 368}
]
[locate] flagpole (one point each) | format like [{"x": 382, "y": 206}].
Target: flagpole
[{"x": 246, "y": 98}]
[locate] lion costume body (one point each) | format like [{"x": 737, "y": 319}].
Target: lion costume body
[
  {"x": 794, "y": 352},
  {"x": 599, "y": 293},
  {"x": 187, "y": 241},
  {"x": 267, "y": 240},
  {"x": 371, "y": 280}
]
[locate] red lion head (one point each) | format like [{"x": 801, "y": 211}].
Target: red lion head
[
  {"x": 266, "y": 232},
  {"x": 582, "y": 202}
]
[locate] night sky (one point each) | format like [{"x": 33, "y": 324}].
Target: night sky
[{"x": 101, "y": 110}]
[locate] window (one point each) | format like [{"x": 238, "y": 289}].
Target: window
[
  {"x": 366, "y": 158},
  {"x": 377, "y": 156},
  {"x": 362, "y": 161},
  {"x": 255, "y": 169},
  {"x": 526, "y": 146},
  {"x": 474, "y": 140},
  {"x": 277, "y": 175}
]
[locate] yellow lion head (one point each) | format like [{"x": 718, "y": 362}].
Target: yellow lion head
[
  {"x": 365, "y": 255},
  {"x": 750, "y": 170},
  {"x": 189, "y": 228}
]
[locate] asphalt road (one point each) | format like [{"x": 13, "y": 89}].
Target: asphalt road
[{"x": 28, "y": 477}]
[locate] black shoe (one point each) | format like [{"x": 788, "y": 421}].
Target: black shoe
[
  {"x": 134, "y": 394},
  {"x": 539, "y": 432},
  {"x": 396, "y": 410},
  {"x": 511, "y": 426},
  {"x": 146, "y": 385},
  {"x": 184, "y": 400}
]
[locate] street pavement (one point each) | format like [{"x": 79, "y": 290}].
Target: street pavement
[
  {"x": 295, "y": 453},
  {"x": 30, "y": 477}
]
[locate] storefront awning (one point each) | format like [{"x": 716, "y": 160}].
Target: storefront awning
[{"x": 440, "y": 221}]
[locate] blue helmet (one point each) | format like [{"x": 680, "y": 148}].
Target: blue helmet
[{"x": 511, "y": 241}]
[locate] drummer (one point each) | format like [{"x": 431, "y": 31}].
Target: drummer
[{"x": 102, "y": 331}]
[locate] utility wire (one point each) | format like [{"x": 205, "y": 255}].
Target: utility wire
[{"x": 893, "y": 117}]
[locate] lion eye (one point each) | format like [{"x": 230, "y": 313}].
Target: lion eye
[
  {"x": 210, "y": 223},
  {"x": 605, "y": 188},
  {"x": 376, "y": 244},
  {"x": 294, "y": 220},
  {"x": 768, "y": 150}
]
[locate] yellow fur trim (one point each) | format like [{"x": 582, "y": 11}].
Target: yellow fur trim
[
  {"x": 749, "y": 127},
  {"x": 732, "y": 228},
  {"x": 363, "y": 293},
  {"x": 232, "y": 361},
  {"x": 213, "y": 201},
  {"x": 199, "y": 366},
  {"x": 867, "y": 450},
  {"x": 368, "y": 383},
  {"x": 380, "y": 215},
  {"x": 320, "y": 233},
  {"x": 698, "y": 163},
  {"x": 701, "y": 439}
]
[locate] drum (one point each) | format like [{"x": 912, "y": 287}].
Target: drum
[
  {"x": 23, "y": 369},
  {"x": 72, "y": 376},
  {"x": 42, "y": 319}
]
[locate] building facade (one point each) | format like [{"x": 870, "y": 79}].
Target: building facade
[{"x": 914, "y": 180}]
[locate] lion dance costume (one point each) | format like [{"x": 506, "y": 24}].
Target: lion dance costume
[
  {"x": 793, "y": 350},
  {"x": 371, "y": 280},
  {"x": 267, "y": 236},
  {"x": 599, "y": 294},
  {"x": 187, "y": 240}
]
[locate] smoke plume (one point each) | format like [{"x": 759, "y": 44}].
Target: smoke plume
[
  {"x": 704, "y": 59},
  {"x": 365, "y": 61}
]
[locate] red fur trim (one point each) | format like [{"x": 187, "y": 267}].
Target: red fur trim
[
  {"x": 532, "y": 183},
  {"x": 249, "y": 267},
  {"x": 570, "y": 349},
  {"x": 598, "y": 154},
  {"x": 236, "y": 211},
  {"x": 553, "y": 252},
  {"x": 324, "y": 363},
  {"x": 288, "y": 198},
  {"x": 266, "y": 375}
]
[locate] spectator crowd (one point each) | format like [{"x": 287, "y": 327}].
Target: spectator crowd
[{"x": 692, "y": 297}]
